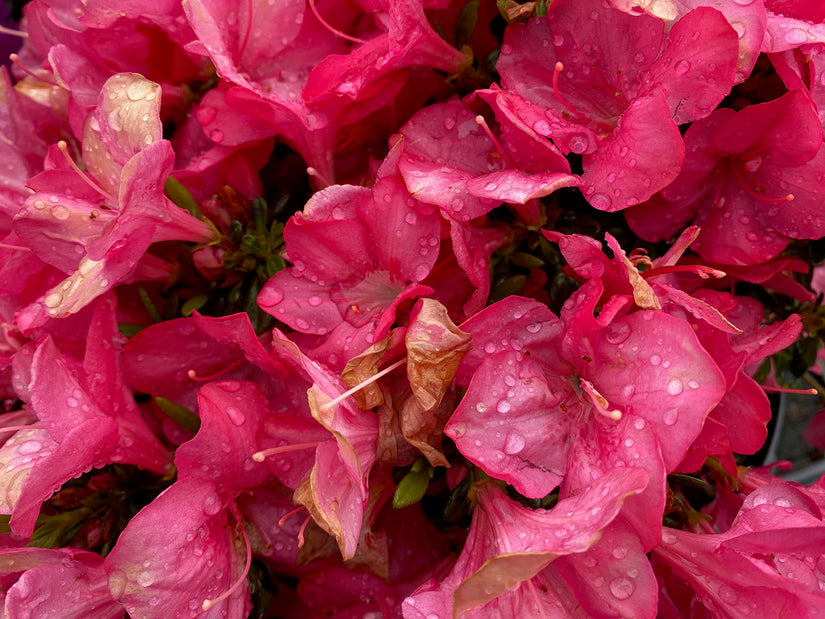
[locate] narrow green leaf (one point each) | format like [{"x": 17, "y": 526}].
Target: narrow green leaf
[
  {"x": 129, "y": 329},
  {"x": 465, "y": 23},
  {"x": 178, "y": 194},
  {"x": 181, "y": 415},
  {"x": 411, "y": 488},
  {"x": 195, "y": 303},
  {"x": 153, "y": 312},
  {"x": 525, "y": 260}
]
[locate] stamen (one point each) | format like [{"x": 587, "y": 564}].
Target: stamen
[
  {"x": 811, "y": 391},
  {"x": 499, "y": 148},
  {"x": 556, "y": 70},
  {"x": 193, "y": 375},
  {"x": 17, "y": 247},
  {"x": 313, "y": 172},
  {"x": 334, "y": 31},
  {"x": 83, "y": 175},
  {"x": 302, "y": 530},
  {"x": 361, "y": 385},
  {"x": 697, "y": 269},
  {"x": 16, "y": 60},
  {"x": 242, "y": 47},
  {"x": 14, "y": 33},
  {"x": 260, "y": 456},
  {"x": 599, "y": 401},
  {"x": 19, "y": 428},
  {"x": 754, "y": 192},
  {"x": 289, "y": 514},
  {"x": 207, "y": 604}
]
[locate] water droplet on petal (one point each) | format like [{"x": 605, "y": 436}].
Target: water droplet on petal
[
  {"x": 503, "y": 406},
  {"x": 145, "y": 579},
  {"x": 235, "y": 415},
  {"x": 622, "y": 588},
  {"x": 796, "y": 36},
  {"x": 670, "y": 416},
  {"x": 600, "y": 201},
  {"x": 681, "y": 67},
  {"x": 674, "y": 387},
  {"x": 514, "y": 444}
]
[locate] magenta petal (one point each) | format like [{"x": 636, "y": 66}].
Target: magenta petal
[
  {"x": 87, "y": 444},
  {"x": 177, "y": 552},
  {"x": 405, "y": 235},
  {"x": 643, "y": 156},
  {"x": 60, "y": 582},
  {"x": 231, "y": 414},
  {"x": 300, "y": 303},
  {"x": 614, "y": 576},
  {"x": 697, "y": 65},
  {"x": 673, "y": 383},
  {"x": 498, "y": 432},
  {"x": 512, "y": 324}
]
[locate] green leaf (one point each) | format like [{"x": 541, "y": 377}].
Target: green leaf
[
  {"x": 195, "y": 303},
  {"x": 178, "y": 194},
  {"x": 412, "y": 487},
  {"x": 465, "y": 23},
  {"x": 129, "y": 329},
  {"x": 153, "y": 312},
  {"x": 526, "y": 261},
  {"x": 251, "y": 245},
  {"x": 59, "y": 529},
  {"x": 181, "y": 415},
  {"x": 510, "y": 286},
  {"x": 274, "y": 264}
]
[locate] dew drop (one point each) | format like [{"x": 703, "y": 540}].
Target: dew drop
[
  {"x": 620, "y": 552},
  {"x": 145, "y": 579},
  {"x": 30, "y": 447},
  {"x": 796, "y": 36},
  {"x": 681, "y": 67},
  {"x": 216, "y": 136},
  {"x": 674, "y": 387},
  {"x": 514, "y": 444},
  {"x": 270, "y": 297},
  {"x": 302, "y": 324},
  {"x": 503, "y": 406},
  {"x": 140, "y": 89},
  {"x": 622, "y": 588},
  {"x": 235, "y": 415},
  {"x": 600, "y": 201},
  {"x": 670, "y": 416},
  {"x": 60, "y": 212}
]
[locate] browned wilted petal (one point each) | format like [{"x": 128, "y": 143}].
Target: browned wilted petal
[
  {"x": 435, "y": 348},
  {"x": 365, "y": 366}
]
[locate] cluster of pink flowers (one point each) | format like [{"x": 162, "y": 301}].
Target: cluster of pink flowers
[{"x": 408, "y": 308}]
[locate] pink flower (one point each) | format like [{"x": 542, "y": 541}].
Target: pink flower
[
  {"x": 68, "y": 582},
  {"x": 504, "y": 563},
  {"x": 357, "y": 254},
  {"x": 749, "y": 182},
  {"x": 105, "y": 221},
  {"x": 767, "y": 563},
  {"x": 617, "y": 90}
]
